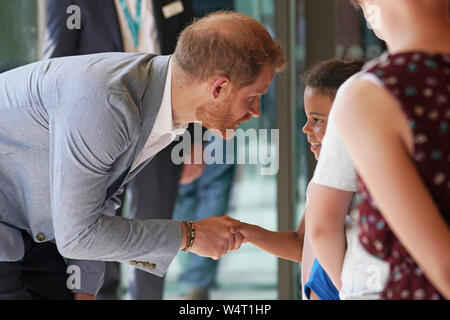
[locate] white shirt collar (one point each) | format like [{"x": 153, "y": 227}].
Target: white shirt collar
[
  {"x": 165, "y": 130},
  {"x": 164, "y": 121}
]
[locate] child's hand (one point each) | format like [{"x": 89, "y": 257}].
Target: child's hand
[
  {"x": 248, "y": 231},
  {"x": 244, "y": 231}
]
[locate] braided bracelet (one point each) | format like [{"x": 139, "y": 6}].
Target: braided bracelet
[{"x": 190, "y": 235}]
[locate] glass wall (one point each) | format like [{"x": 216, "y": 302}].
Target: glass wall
[
  {"x": 18, "y": 33},
  {"x": 248, "y": 273},
  {"x": 324, "y": 30}
]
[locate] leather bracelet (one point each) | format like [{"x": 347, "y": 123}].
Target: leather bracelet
[{"x": 190, "y": 235}]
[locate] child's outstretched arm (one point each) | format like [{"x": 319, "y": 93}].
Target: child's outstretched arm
[{"x": 286, "y": 245}]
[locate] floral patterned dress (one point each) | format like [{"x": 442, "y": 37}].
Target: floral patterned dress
[{"x": 421, "y": 83}]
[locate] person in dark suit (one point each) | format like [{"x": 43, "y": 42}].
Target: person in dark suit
[
  {"x": 110, "y": 26},
  {"x": 101, "y": 29}
]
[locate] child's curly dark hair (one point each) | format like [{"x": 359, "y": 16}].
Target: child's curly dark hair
[{"x": 329, "y": 75}]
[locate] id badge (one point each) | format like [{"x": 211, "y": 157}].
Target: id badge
[{"x": 172, "y": 9}]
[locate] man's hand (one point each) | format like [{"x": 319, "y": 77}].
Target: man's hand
[
  {"x": 192, "y": 170},
  {"x": 214, "y": 237},
  {"x": 84, "y": 296}
]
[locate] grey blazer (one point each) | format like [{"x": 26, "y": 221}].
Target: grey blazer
[{"x": 70, "y": 129}]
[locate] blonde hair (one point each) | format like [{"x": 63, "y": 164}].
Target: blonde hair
[{"x": 230, "y": 44}]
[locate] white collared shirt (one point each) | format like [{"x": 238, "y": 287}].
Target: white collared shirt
[{"x": 165, "y": 130}]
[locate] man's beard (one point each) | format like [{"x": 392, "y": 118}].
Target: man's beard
[{"x": 218, "y": 118}]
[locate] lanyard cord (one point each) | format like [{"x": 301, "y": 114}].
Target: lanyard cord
[{"x": 133, "y": 25}]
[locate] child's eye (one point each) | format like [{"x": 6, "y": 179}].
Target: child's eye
[{"x": 318, "y": 120}]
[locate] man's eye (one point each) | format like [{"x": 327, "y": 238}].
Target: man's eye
[{"x": 254, "y": 98}]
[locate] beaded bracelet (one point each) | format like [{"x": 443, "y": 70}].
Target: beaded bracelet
[{"x": 190, "y": 231}]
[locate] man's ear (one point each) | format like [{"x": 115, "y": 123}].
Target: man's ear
[{"x": 219, "y": 86}]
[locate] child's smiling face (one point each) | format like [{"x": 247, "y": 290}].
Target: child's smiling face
[{"x": 317, "y": 107}]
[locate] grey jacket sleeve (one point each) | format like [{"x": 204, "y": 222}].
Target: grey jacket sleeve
[
  {"x": 85, "y": 276},
  {"x": 84, "y": 148}
]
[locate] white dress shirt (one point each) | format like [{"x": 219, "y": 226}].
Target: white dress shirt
[{"x": 164, "y": 130}]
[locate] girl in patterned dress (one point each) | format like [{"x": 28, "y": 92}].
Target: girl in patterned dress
[{"x": 401, "y": 112}]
